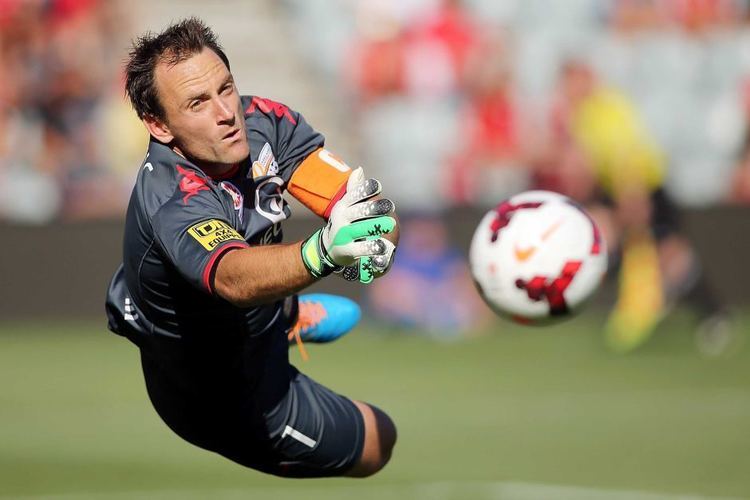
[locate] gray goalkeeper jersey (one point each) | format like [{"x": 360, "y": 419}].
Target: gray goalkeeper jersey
[{"x": 180, "y": 221}]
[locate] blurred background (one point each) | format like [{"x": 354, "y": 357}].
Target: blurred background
[{"x": 638, "y": 109}]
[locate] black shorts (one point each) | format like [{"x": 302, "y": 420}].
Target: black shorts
[
  {"x": 665, "y": 219},
  {"x": 285, "y": 424},
  {"x": 665, "y": 216}
]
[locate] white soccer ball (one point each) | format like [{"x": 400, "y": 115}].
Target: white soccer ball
[{"x": 537, "y": 257}]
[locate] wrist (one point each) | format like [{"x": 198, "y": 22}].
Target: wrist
[{"x": 315, "y": 257}]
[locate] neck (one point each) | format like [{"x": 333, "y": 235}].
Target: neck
[{"x": 211, "y": 169}]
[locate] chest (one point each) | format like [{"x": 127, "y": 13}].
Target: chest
[{"x": 256, "y": 195}]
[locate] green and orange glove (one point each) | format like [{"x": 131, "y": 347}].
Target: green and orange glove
[{"x": 354, "y": 232}]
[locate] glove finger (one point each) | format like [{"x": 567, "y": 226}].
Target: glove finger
[
  {"x": 365, "y": 248},
  {"x": 361, "y": 191},
  {"x": 369, "y": 209},
  {"x": 355, "y": 179},
  {"x": 366, "y": 272},
  {"x": 381, "y": 263},
  {"x": 359, "y": 271},
  {"x": 367, "y": 228},
  {"x": 350, "y": 273},
  {"x": 366, "y": 269}
]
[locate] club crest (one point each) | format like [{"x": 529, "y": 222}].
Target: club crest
[
  {"x": 266, "y": 163},
  {"x": 237, "y": 198}
]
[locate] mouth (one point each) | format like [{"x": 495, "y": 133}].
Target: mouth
[{"x": 231, "y": 135}]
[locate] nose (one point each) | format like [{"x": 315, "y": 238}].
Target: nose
[{"x": 224, "y": 112}]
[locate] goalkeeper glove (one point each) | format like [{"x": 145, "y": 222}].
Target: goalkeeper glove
[{"x": 354, "y": 229}]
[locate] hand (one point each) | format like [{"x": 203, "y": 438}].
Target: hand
[
  {"x": 370, "y": 268},
  {"x": 353, "y": 231}
]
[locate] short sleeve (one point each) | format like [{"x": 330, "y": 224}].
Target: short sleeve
[
  {"x": 194, "y": 233},
  {"x": 295, "y": 139}
]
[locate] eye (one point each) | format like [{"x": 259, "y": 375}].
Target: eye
[
  {"x": 227, "y": 89},
  {"x": 195, "y": 104}
]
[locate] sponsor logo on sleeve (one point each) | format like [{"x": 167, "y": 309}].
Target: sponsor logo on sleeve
[
  {"x": 212, "y": 233},
  {"x": 266, "y": 163}
]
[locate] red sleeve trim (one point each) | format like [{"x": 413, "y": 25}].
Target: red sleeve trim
[
  {"x": 209, "y": 271},
  {"x": 339, "y": 195}
]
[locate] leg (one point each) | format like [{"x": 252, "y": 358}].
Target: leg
[
  {"x": 680, "y": 264},
  {"x": 315, "y": 432},
  {"x": 380, "y": 438},
  {"x": 607, "y": 224}
]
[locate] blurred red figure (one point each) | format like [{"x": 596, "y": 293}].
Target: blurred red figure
[
  {"x": 740, "y": 185},
  {"x": 375, "y": 64},
  {"x": 694, "y": 17},
  {"x": 425, "y": 56},
  {"x": 699, "y": 16},
  {"x": 437, "y": 47},
  {"x": 490, "y": 140}
]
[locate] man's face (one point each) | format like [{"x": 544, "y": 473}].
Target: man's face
[
  {"x": 203, "y": 112},
  {"x": 578, "y": 83}
]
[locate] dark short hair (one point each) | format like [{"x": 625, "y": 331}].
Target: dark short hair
[{"x": 178, "y": 42}]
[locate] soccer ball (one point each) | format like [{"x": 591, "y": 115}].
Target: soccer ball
[{"x": 537, "y": 257}]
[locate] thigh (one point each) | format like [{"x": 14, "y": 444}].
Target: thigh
[
  {"x": 286, "y": 424},
  {"x": 210, "y": 419},
  {"x": 314, "y": 432}
]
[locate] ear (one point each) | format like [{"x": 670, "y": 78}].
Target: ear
[{"x": 158, "y": 129}]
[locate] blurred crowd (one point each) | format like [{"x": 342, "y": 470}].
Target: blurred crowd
[
  {"x": 68, "y": 144},
  {"x": 471, "y": 99},
  {"x": 454, "y": 102}
]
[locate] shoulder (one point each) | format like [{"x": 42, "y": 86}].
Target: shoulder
[
  {"x": 165, "y": 176},
  {"x": 264, "y": 109},
  {"x": 286, "y": 130}
]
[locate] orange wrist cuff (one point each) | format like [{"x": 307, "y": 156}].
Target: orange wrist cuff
[{"x": 319, "y": 181}]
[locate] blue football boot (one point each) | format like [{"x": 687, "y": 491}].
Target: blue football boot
[{"x": 323, "y": 318}]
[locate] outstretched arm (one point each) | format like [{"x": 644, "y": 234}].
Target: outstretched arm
[
  {"x": 261, "y": 274},
  {"x": 354, "y": 231}
]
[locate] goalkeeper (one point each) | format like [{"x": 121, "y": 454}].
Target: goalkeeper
[{"x": 207, "y": 291}]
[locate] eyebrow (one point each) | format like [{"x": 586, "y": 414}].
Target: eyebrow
[{"x": 205, "y": 95}]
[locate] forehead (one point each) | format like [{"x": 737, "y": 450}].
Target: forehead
[{"x": 194, "y": 74}]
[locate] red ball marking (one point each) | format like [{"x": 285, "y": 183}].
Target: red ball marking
[
  {"x": 552, "y": 290},
  {"x": 503, "y": 213}
]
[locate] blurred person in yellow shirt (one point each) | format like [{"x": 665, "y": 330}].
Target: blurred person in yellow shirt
[{"x": 603, "y": 156}]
